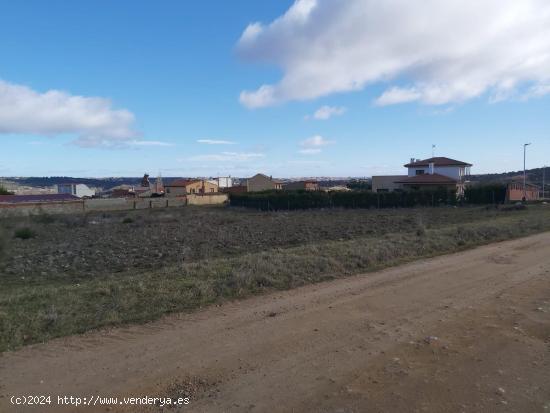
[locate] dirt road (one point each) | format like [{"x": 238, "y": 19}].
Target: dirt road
[{"x": 468, "y": 332}]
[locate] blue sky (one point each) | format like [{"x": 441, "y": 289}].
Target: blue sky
[{"x": 179, "y": 88}]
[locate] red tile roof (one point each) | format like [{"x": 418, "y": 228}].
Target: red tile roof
[
  {"x": 181, "y": 182},
  {"x": 437, "y": 161},
  {"x": 15, "y": 199},
  {"x": 427, "y": 179}
]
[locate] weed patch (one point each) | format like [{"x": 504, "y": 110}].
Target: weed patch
[{"x": 24, "y": 233}]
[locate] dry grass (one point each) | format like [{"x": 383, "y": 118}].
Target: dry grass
[{"x": 35, "y": 309}]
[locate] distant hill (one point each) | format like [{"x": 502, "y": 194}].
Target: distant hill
[
  {"x": 534, "y": 176},
  {"x": 103, "y": 183},
  {"x": 108, "y": 183}
]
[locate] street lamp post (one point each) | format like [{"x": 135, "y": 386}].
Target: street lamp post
[
  {"x": 544, "y": 182},
  {"x": 525, "y": 145}
]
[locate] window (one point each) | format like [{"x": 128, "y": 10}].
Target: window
[{"x": 420, "y": 171}]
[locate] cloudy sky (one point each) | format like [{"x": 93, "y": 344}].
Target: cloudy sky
[{"x": 288, "y": 88}]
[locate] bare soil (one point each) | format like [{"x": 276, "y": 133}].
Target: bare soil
[
  {"x": 467, "y": 332},
  {"x": 79, "y": 247}
]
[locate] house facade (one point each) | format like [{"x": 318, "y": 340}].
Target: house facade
[
  {"x": 182, "y": 187},
  {"x": 515, "y": 192},
  {"x": 387, "y": 183},
  {"x": 78, "y": 190},
  {"x": 261, "y": 182},
  {"x": 222, "y": 181},
  {"x": 427, "y": 174}
]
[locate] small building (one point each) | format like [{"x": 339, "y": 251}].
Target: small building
[
  {"x": 308, "y": 185},
  {"x": 387, "y": 183},
  {"x": 182, "y": 187},
  {"x": 122, "y": 193},
  {"x": 261, "y": 182},
  {"x": 514, "y": 192},
  {"x": 440, "y": 165},
  {"x": 431, "y": 173},
  {"x": 78, "y": 190},
  {"x": 222, "y": 182}
]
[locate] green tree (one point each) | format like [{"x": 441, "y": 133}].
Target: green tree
[{"x": 4, "y": 191}]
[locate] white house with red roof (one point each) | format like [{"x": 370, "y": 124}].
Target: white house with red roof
[{"x": 431, "y": 173}]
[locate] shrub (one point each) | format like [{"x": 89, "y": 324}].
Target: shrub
[
  {"x": 290, "y": 200},
  {"x": 24, "y": 233},
  {"x": 4, "y": 191},
  {"x": 127, "y": 220},
  {"x": 485, "y": 194}
]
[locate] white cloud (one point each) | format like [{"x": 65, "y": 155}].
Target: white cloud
[
  {"x": 315, "y": 142},
  {"x": 429, "y": 51},
  {"x": 310, "y": 151},
  {"x": 91, "y": 119},
  {"x": 326, "y": 112},
  {"x": 398, "y": 95},
  {"x": 313, "y": 145},
  {"x": 215, "y": 142},
  {"x": 228, "y": 157},
  {"x": 149, "y": 143}
]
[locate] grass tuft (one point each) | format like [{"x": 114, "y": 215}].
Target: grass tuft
[{"x": 24, "y": 233}]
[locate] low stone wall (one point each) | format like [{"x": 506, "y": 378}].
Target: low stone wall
[
  {"x": 207, "y": 199},
  {"x": 110, "y": 204},
  {"x": 124, "y": 204},
  {"x": 39, "y": 208},
  {"x": 176, "y": 202}
]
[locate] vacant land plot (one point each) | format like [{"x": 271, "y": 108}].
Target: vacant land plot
[
  {"x": 465, "y": 332},
  {"x": 68, "y": 274}
]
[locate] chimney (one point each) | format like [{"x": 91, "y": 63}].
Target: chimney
[
  {"x": 431, "y": 168},
  {"x": 412, "y": 160}
]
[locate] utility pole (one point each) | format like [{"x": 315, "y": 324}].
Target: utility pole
[
  {"x": 433, "y": 150},
  {"x": 525, "y": 145}
]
